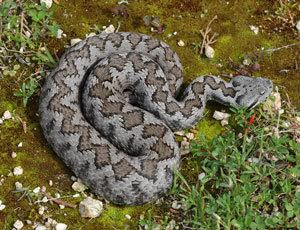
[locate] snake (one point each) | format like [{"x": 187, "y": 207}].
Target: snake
[{"x": 110, "y": 108}]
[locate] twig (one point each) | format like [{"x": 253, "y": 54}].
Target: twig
[
  {"x": 205, "y": 34},
  {"x": 282, "y": 47},
  {"x": 58, "y": 201}
]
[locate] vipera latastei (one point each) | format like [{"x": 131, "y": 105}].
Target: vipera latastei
[{"x": 109, "y": 109}]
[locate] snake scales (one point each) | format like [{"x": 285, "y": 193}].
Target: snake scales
[{"x": 109, "y": 109}]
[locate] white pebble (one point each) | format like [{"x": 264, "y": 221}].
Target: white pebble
[
  {"x": 73, "y": 178},
  {"x": 61, "y": 226},
  {"x": 48, "y": 3},
  {"x": 50, "y": 182},
  {"x": 41, "y": 210},
  {"x": 6, "y": 115},
  {"x": 18, "y": 186},
  {"x": 255, "y": 29},
  {"x": 78, "y": 186},
  {"x": 209, "y": 51},
  {"x": 201, "y": 176},
  {"x": 36, "y": 190},
  {"x": 253, "y": 160},
  {"x": 190, "y": 136},
  {"x": 20, "y": 145},
  {"x": 75, "y": 41},
  {"x": 1, "y": 121},
  {"x": 176, "y": 205},
  {"x": 90, "y": 208},
  {"x": 298, "y": 26},
  {"x": 18, "y": 224},
  {"x": 59, "y": 33},
  {"x": 40, "y": 227},
  {"x": 45, "y": 199},
  {"x": 179, "y": 133},
  {"x": 220, "y": 115},
  {"x": 57, "y": 195},
  {"x": 180, "y": 43},
  {"x": 128, "y": 217},
  {"x": 224, "y": 122},
  {"x": 13, "y": 155},
  {"x": 109, "y": 29},
  {"x": 29, "y": 222},
  {"x": 61, "y": 206},
  {"x": 76, "y": 195},
  {"x": 2, "y": 206},
  {"x": 18, "y": 171}
]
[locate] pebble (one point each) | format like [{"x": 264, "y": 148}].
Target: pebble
[
  {"x": 179, "y": 133},
  {"x": 1, "y": 121},
  {"x": 255, "y": 29},
  {"x": 18, "y": 171},
  {"x": 61, "y": 206},
  {"x": 190, "y": 136},
  {"x": 176, "y": 205},
  {"x": 18, "y": 224},
  {"x": 45, "y": 199},
  {"x": 40, "y": 227},
  {"x": 48, "y": 3},
  {"x": 90, "y": 208},
  {"x": 6, "y": 115},
  {"x": 224, "y": 122},
  {"x": 201, "y": 176},
  {"x": 13, "y": 155},
  {"x": 36, "y": 190},
  {"x": 220, "y": 115},
  {"x": 75, "y": 41},
  {"x": 59, "y": 33},
  {"x": 209, "y": 51},
  {"x": 18, "y": 186},
  {"x": 61, "y": 226},
  {"x": 20, "y": 145},
  {"x": 41, "y": 210},
  {"x": 127, "y": 216},
  {"x": 50, "y": 182},
  {"x": 109, "y": 29},
  {"x": 2, "y": 206},
  {"x": 78, "y": 186},
  {"x": 180, "y": 43},
  {"x": 298, "y": 26}
]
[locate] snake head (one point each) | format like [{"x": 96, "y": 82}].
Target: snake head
[{"x": 251, "y": 91}]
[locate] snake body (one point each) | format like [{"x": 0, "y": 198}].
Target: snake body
[{"x": 109, "y": 108}]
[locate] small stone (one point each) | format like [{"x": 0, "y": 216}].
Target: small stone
[
  {"x": 61, "y": 206},
  {"x": 220, "y": 115},
  {"x": 41, "y": 210},
  {"x": 253, "y": 160},
  {"x": 76, "y": 195},
  {"x": 61, "y": 226},
  {"x": 18, "y": 224},
  {"x": 90, "y": 35},
  {"x": 29, "y": 222},
  {"x": 59, "y": 33},
  {"x": 224, "y": 122},
  {"x": 209, "y": 51},
  {"x": 40, "y": 227},
  {"x": 18, "y": 171},
  {"x": 176, "y": 205},
  {"x": 109, "y": 29},
  {"x": 75, "y": 41},
  {"x": 78, "y": 186},
  {"x": 90, "y": 208},
  {"x": 50, "y": 182},
  {"x": 45, "y": 199},
  {"x": 73, "y": 178},
  {"x": 13, "y": 155},
  {"x": 255, "y": 29},
  {"x": 57, "y": 195},
  {"x": 298, "y": 26},
  {"x": 180, "y": 43},
  {"x": 48, "y": 3},
  {"x": 20, "y": 145},
  {"x": 18, "y": 186},
  {"x": 6, "y": 115},
  {"x": 36, "y": 190},
  {"x": 190, "y": 136},
  {"x": 201, "y": 176},
  {"x": 43, "y": 189},
  {"x": 2, "y": 206},
  {"x": 247, "y": 61},
  {"x": 1, "y": 121},
  {"x": 184, "y": 144},
  {"x": 179, "y": 133},
  {"x": 127, "y": 216},
  {"x": 27, "y": 34}
]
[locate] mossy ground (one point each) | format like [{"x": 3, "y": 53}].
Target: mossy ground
[{"x": 186, "y": 17}]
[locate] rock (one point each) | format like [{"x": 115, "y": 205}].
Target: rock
[
  {"x": 45, "y": 199},
  {"x": 209, "y": 51},
  {"x": 190, "y": 136},
  {"x": 1, "y": 121},
  {"x": 6, "y": 115},
  {"x": 75, "y": 41},
  {"x": 48, "y": 3},
  {"x": 2, "y": 206},
  {"x": 180, "y": 43},
  {"x": 220, "y": 115},
  {"x": 176, "y": 205},
  {"x": 61, "y": 226},
  {"x": 255, "y": 29},
  {"x": 40, "y": 227},
  {"x": 20, "y": 145},
  {"x": 59, "y": 33},
  {"x": 127, "y": 216},
  {"x": 298, "y": 26},
  {"x": 78, "y": 186},
  {"x": 13, "y": 155},
  {"x": 109, "y": 29},
  {"x": 224, "y": 122},
  {"x": 18, "y": 186},
  {"x": 18, "y": 224},
  {"x": 41, "y": 210},
  {"x": 36, "y": 190},
  {"x": 50, "y": 183},
  {"x": 90, "y": 208},
  {"x": 179, "y": 133},
  {"x": 18, "y": 171},
  {"x": 201, "y": 176}
]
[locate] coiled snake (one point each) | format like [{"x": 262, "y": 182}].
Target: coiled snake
[{"x": 109, "y": 108}]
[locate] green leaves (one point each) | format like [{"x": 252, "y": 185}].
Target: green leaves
[{"x": 26, "y": 90}]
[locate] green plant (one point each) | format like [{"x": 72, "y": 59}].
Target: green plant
[{"x": 26, "y": 90}]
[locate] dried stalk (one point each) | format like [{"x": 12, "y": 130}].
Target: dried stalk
[{"x": 207, "y": 40}]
